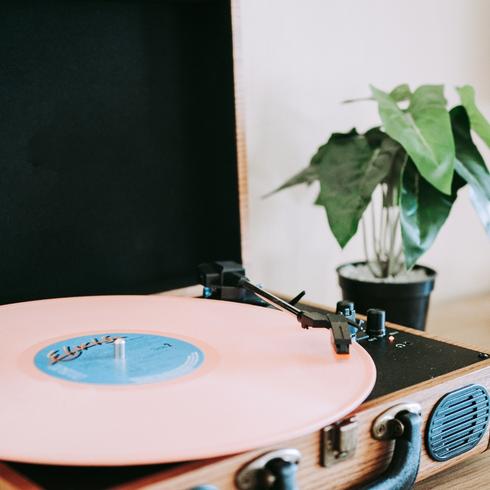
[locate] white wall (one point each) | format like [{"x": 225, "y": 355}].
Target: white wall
[{"x": 300, "y": 59}]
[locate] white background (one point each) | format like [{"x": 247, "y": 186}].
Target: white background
[{"x": 300, "y": 59}]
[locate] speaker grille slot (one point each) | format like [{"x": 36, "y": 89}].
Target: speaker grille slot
[{"x": 458, "y": 422}]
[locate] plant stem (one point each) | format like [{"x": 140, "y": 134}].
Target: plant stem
[
  {"x": 366, "y": 253},
  {"x": 373, "y": 227},
  {"x": 391, "y": 257},
  {"x": 381, "y": 248},
  {"x": 399, "y": 256},
  {"x": 381, "y": 228},
  {"x": 387, "y": 233}
]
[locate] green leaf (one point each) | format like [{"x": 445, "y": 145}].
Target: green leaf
[
  {"x": 307, "y": 176},
  {"x": 423, "y": 211},
  {"x": 478, "y": 121},
  {"x": 359, "y": 99},
  {"x": 398, "y": 94},
  {"x": 470, "y": 164},
  {"x": 401, "y": 93},
  {"x": 349, "y": 171},
  {"x": 424, "y": 130},
  {"x": 375, "y": 137}
]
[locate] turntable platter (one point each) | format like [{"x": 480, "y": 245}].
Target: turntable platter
[{"x": 118, "y": 380}]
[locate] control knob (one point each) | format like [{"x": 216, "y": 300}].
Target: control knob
[{"x": 375, "y": 325}]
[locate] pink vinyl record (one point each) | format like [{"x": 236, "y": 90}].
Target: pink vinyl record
[{"x": 124, "y": 380}]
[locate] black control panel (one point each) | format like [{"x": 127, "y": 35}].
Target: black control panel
[{"x": 405, "y": 359}]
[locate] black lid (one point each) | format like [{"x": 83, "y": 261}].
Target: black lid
[{"x": 118, "y": 152}]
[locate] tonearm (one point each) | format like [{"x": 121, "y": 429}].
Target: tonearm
[{"x": 227, "y": 280}]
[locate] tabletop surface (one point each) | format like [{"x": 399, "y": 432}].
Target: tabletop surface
[{"x": 471, "y": 474}]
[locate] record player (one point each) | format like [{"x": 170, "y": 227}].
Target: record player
[{"x": 126, "y": 168}]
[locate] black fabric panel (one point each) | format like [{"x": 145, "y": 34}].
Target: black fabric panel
[{"x": 117, "y": 146}]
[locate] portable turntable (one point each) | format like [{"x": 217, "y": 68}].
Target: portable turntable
[{"x": 123, "y": 173}]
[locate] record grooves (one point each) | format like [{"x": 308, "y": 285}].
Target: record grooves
[{"x": 192, "y": 369}]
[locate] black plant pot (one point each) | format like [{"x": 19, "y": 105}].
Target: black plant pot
[{"x": 405, "y": 303}]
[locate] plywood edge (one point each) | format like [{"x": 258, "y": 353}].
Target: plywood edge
[
  {"x": 240, "y": 131},
  {"x": 192, "y": 291}
]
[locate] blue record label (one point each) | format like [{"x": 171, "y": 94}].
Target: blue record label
[{"x": 146, "y": 358}]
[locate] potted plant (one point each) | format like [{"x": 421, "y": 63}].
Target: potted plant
[{"x": 408, "y": 171}]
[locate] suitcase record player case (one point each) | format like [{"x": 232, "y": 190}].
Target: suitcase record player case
[{"x": 125, "y": 169}]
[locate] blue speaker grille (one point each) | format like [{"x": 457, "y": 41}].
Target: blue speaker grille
[{"x": 458, "y": 422}]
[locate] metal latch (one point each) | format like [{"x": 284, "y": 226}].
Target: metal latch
[{"x": 339, "y": 442}]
